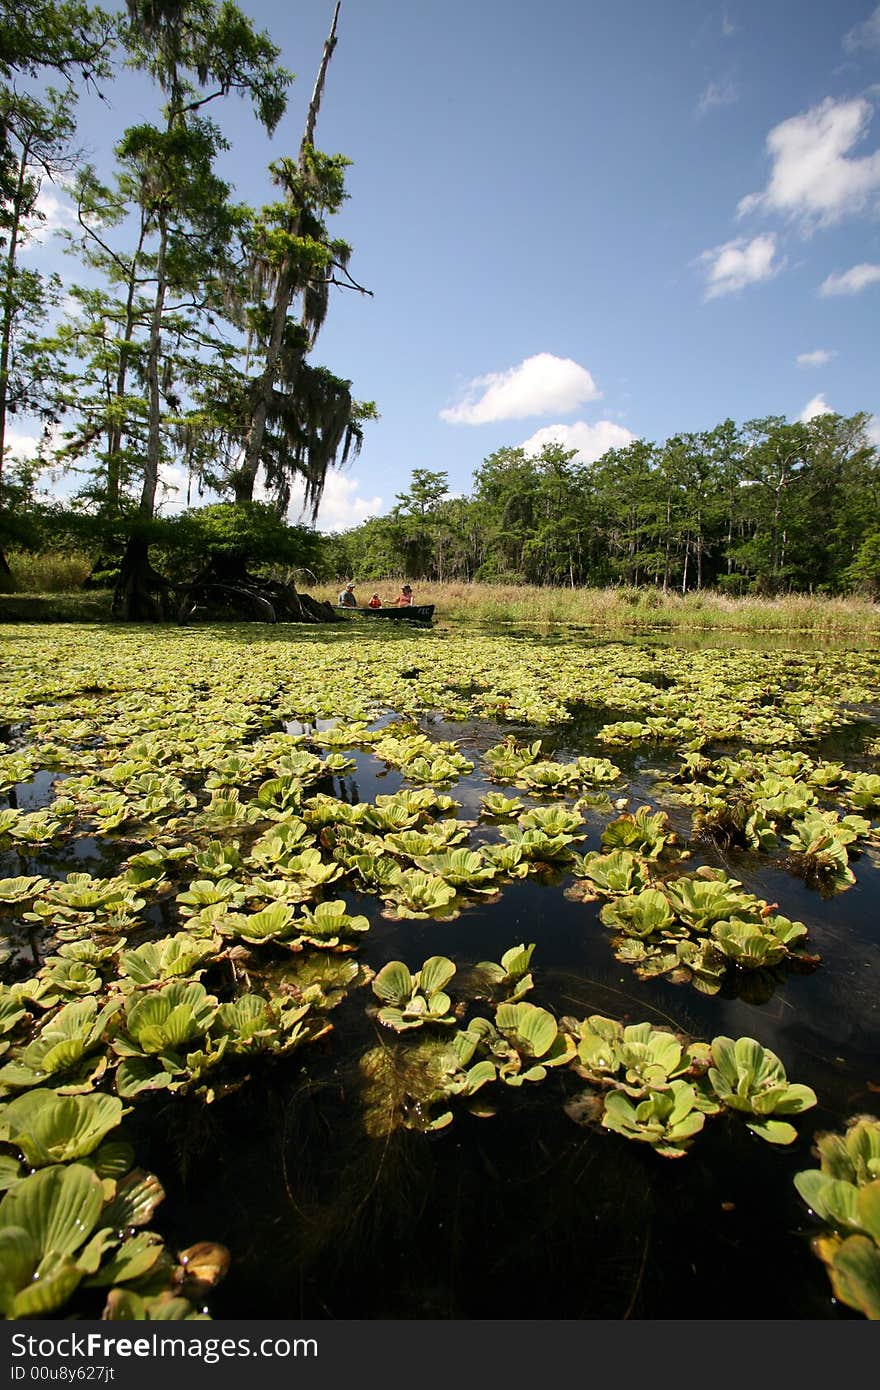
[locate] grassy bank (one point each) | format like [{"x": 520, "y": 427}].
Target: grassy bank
[
  {"x": 78, "y": 606},
  {"x": 610, "y": 610},
  {"x": 623, "y": 609}
]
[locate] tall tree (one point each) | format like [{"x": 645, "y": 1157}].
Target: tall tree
[
  {"x": 301, "y": 418},
  {"x": 38, "y": 136},
  {"x": 197, "y": 52},
  {"x": 65, "y": 39},
  {"x": 774, "y": 468}
]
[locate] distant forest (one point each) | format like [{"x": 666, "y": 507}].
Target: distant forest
[{"x": 764, "y": 507}]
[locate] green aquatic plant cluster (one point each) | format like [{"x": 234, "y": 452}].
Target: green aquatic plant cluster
[
  {"x": 690, "y": 926},
  {"x": 422, "y": 760},
  {"x": 74, "y": 1217},
  {"x": 138, "y": 1018},
  {"x": 522, "y": 765},
  {"x": 662, "y": 1088},
  {"x": 761, "y": 699},
  {"x": 646, "y": 1084},
  {"x": 844, "y": 1193},
  {"x": 785, "y": 801},
  {"x": 230, "y": 869}
]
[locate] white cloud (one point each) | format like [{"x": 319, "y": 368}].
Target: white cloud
[
  {"x": 591, "y": 441},
  {"x": 340, "y": 506},
  {"x": 21, "y": 446},
  {"x": 851, "y": 281},
  {"x": 873, "y": 431},
  {"x": 174, "y": 482},
  {"x": 717, "y": 94},
  {"x": 813, "y": 177},
  {"x": 865, "y": 35},
  {"x": 727, "y": 25},
  {"x": 817, "y": 406},
  {"x": 52, "y": 213},
  {"x": 540, "y": 385},
  {"x": 739, "y": 263},
  {"x": 814, "y": 359}
]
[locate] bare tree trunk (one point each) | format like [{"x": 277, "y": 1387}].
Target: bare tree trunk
[
  {"x": 6, "y": 346},
  {"x": 114, "y": 442},
  {"x": 154, "y": 434},
  {"x": 666, "y": 558},
  {"x": 9, "y": 297},
  {"x": 141, "y": 593}
]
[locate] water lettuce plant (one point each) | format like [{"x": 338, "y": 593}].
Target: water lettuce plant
[
  {"x": 251, "y": 1023},
  {"x": 844, "y": 1192},
  {"x": 165, "y": 959},
  {"x": 646, "y": 833},
  {"x": 510, "y": 979},
  {"x": 410, "y": 1001},
  {"x": 48, "y": 1127},
  {"x": 750, "y": 1078},
  {"x": 63, "y": 1227},
  {"x": 820, "y": 846},
  {"x": 643, "y": 914},
  {"x": 158, "y": 1030},
  {"x": 667, "y": 1119},
  {"x": 497, "y": 806},
  {"x": 621, "y": 871},
  {"x": 463, "y": 868},
  {"x": 329, "y": 926},
  {"x": 634, "y": 1058},
  {"x": 524, "y": 1041},
  {"x": 64, "y": 1049},
  {"x": 414, "y": 893}
]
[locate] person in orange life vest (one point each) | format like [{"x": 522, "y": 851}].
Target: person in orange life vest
[{"x": 375, "y": 602}]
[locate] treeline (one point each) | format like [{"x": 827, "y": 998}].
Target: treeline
[{"x": 763, "y": 507}]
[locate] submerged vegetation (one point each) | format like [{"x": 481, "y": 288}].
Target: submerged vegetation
[{"x": 193, "y": 885}]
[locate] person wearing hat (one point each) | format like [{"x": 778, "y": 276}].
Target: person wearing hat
[
  {"x": 405, "y": 597},
  {"x": 347, "y": 598}
]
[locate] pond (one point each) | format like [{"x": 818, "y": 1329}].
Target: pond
[{"x": 745, "y": 772}]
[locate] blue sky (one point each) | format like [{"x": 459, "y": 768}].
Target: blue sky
[{"x": 578, "y": 219}]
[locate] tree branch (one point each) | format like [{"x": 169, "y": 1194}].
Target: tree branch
[{"x": 314, "y": 104}]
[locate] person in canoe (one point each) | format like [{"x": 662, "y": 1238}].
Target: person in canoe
[
  {"x": 405, "y": 597},
  {"x": 346, "y": 598},
  {"x": 375, "y": 602}
]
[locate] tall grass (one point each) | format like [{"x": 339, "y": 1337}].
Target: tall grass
[
  {"x": 635, "y": 610},
  {"x": 49, "y": 572}
]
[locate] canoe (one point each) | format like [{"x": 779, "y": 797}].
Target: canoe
[{"x": 416, "y": 613}]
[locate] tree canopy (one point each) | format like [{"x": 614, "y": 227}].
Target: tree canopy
[{"x": 767, "y": 506}]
